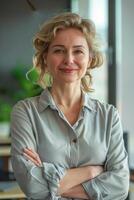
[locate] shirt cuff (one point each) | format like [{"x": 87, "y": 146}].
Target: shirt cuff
[
  {"x": 53, "y": 174},
  {"x": 92, "y": 190}
]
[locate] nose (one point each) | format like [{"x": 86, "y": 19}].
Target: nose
[{"x": 69, "y": 58}]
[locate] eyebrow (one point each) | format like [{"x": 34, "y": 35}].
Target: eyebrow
[{"x": 62, "y": 46}]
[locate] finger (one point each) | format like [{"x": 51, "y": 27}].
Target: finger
[
  {"x": 31, "y": 159},
  {"x": 33, "y": 155}
]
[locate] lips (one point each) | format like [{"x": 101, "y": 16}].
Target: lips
[{"x": 68, "y": 70}]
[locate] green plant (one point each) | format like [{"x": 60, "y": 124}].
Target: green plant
[
  {"x": 20, "y": 89},
  {"x": 5, "y": 110},
  {"x": 25, "y": 87}
]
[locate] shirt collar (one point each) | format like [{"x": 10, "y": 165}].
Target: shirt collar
[
  {"x": 88, "y": 102},
  {"x": 46, "y": 100}
]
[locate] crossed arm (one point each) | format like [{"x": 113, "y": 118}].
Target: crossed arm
[{"x": 70, "y": 185}]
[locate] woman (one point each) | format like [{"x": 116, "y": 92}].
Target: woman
[{"x": 66, "y": 145}]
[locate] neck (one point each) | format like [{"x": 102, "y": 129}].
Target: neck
[{"x": 66, "y": 96}]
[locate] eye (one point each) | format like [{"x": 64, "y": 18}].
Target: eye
[
  {"x": 58, "y": 51},
  {"x": 78, "y": 51}
]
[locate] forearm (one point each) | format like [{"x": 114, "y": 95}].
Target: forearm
[
  {"x": 76, "y": 176},
  {"x": 70, "y": 178},
  {"x": 37, "y": 182},
  {"x": 76, "y": 192},
  {"x": 32, "y": 183},
  {"x": 73, "y": 177}
]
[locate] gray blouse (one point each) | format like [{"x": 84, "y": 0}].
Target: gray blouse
[{"x": 95, "y": 139}]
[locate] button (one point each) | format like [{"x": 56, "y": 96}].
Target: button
[{"x": 74, "y": 140}]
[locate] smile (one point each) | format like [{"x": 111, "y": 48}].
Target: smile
[{"x": 68, "y": 70}]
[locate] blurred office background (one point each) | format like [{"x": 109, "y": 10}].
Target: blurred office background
[{"x": 113, "y": 83}]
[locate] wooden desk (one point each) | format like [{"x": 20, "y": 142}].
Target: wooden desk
[
  {"x": 5, "y": 140},
  {"x": 14, "y": 193},
  {"x": 5, "y": 144},
  {"x": 5, "y": 150},
  {"x": 5, "y": 147}
]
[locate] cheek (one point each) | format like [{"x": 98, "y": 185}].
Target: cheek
[
  {"x": 84, "y": 66},
  {"x": 84, "y": 60},
  {"x": 84, "y": 63},
  {"x": 53, "y": 61},
  {"x": 84, "y": 71}
]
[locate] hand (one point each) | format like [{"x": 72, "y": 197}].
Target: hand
[{"x": 33, "y": 156}]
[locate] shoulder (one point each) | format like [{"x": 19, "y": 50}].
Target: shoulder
[
  {"x": 99, "y": 107},
  {"x": 33, "y": 104},
  {"x": 106, "y": 113},
  {"x": 26, "y": 105}
]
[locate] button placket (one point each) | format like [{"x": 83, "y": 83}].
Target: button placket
[
  {"x": 74, "y": 140},
  {"x": 74, "y": 146}
]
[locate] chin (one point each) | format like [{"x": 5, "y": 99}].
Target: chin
[{"x": 69, "y": 81}]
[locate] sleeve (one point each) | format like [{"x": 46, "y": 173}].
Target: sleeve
[
  {"x": 114, "y": 182},
  {"x": 36, "y": 182}
]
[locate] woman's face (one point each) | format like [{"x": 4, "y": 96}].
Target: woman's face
[{"x": 68, "y": 56}]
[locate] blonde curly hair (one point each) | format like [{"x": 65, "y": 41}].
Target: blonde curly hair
[{"x": 47, "y": 33}]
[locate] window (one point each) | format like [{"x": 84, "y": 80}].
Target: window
[{"x": 97, "y": 11}]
